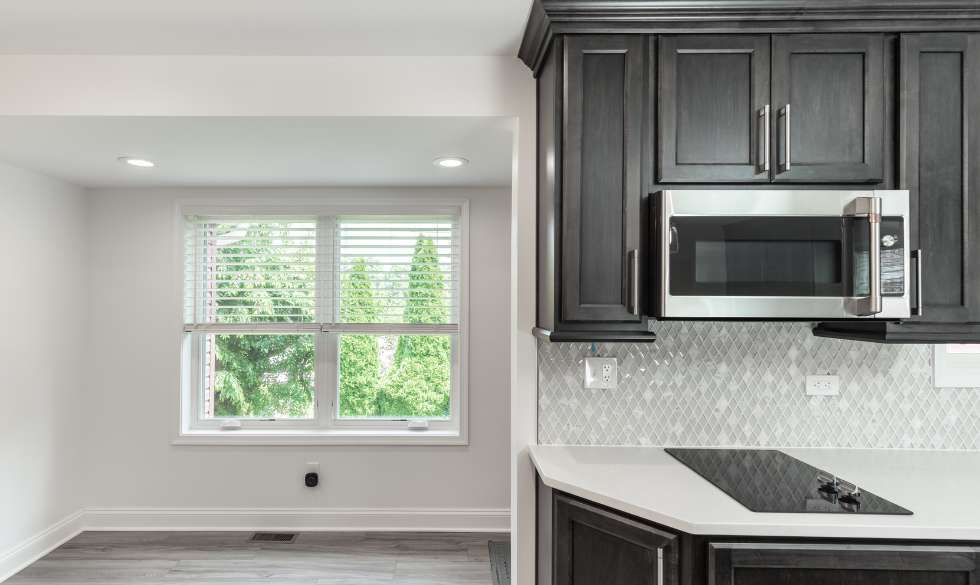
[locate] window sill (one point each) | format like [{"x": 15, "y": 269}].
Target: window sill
[{"x": 307, "y": 437}]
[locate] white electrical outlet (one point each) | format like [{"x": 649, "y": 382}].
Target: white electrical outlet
[
  {"x": 822, "y": 385},
  {"x": 601, "y": 373}
]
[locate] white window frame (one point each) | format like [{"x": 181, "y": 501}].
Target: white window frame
[
  {"x": 326, "y": 427},
  {"x": 955, "y": 370}
]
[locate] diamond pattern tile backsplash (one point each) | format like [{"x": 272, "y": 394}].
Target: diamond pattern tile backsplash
[{"x": 742, "y": 384}]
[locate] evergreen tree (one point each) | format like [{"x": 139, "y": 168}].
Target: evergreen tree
[
  {"x": 418, "y": 383},
  {"x": 262, "y": 375},
  {"x": 359, "y": 363},
  {"x": 272, "y": 375}
]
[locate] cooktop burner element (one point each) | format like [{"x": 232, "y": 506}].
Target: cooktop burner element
[{"x": 765, "y": 480}]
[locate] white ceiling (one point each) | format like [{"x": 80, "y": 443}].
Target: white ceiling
[
  {"x": 263, "y": 27},
  {"x": 283, "y": 151}
]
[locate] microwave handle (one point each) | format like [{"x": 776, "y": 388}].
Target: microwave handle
[{"x": 870, "y": 209}]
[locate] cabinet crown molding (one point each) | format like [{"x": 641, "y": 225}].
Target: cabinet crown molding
[{"x": 550, "y": 17}]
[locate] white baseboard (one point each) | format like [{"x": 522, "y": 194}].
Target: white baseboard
[
  {"x": 297, "y": 519},
  {"x": 249, "y": 519},
  {"x": 14, "y": 560}
]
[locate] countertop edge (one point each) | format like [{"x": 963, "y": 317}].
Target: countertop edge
[
  {"x": 611, "y": 502},
  {"x": 734, "y": 530}
]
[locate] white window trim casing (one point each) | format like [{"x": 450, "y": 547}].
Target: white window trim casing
[
  {"x": 955, "y": 370},
  {"x": 325, "y": 428}
]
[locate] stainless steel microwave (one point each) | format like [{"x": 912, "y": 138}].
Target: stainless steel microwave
[{"x": 806, "y": 254}]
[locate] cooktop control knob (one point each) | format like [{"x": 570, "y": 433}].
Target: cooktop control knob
[{"x": 888, "y": 240}]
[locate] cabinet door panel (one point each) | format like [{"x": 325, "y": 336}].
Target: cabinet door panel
[
  {"x": 597, "y": 547},
  {"x": 836, "y": 564},
  {"x": 712, "y": 90},
  {"x": 941, "y": 117},
  {"x": 603, "y": 131},
  {"x": 828, "y": 91}
]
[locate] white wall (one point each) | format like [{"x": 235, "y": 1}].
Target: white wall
[
  {"x": 134, "y": 379},
  {"x": 330, "y": 86},
  {"x": 42, "y": 308}
]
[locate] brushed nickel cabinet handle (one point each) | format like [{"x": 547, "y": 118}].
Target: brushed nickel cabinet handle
[
  {"x": 632, "y": 259},
  {"x": 786, "y": 163},
  {"x": 764, "y": 130},
  {"x": 919, "y": 308}
]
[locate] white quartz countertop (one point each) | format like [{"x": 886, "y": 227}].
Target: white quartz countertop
[{"x": 941, "y": 488}]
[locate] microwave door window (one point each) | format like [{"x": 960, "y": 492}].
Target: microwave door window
[{"x": 775, "y": 256}]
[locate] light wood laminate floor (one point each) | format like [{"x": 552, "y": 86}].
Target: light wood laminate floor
[{"x": 314, "y": 558}]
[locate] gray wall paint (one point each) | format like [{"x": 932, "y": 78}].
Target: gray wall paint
[
  {"x": 742, "y": 384},
  {"x": 43, "y": 300},
  {"x": 135, "y": 298}
]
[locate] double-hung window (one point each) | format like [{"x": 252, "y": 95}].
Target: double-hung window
[{"x": 341, "y": 326}]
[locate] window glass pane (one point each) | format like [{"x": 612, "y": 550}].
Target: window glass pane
[
  {"x": 397, "y": 269},
  {"x": 258, "y": 376},
  {"x": 251, "y": 271},
  {"x": 395, "y": 376}
]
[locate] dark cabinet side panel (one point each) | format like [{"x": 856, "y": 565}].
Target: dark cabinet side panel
[
  {"x": 828, "y": 96},
  {"x": 941, "y": 118},
  {"x": 549, "y": 199},
  {"x": 601, "y": 178},
  {"x": 712, "y": 92}
]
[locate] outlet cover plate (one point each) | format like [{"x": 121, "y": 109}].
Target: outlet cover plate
[
  {"x": 601, "y": 373},
  {"x": 826, "y": 385}
]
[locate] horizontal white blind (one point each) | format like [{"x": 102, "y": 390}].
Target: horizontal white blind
[
  {"x": 365, "y": 272},
  {"x": 397, "y": 269},
  {"x": 250, "y": 270}
]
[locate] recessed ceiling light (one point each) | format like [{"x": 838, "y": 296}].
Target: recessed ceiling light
[
  {"x": 450, "y": 162},
  {"x": 137, "y": 162}
]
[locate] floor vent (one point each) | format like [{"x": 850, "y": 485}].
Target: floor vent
[{"x": 273, "y": 537}]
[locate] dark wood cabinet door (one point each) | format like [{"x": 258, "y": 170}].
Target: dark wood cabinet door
[
  {"x": 940, "y": 166},
  {"x": 593, "y": 546},
  {"x": 828, "y": 100},
  {"x": 713, "y": 95},
  {"x": 840, "y": 564},
  {"x": 601, "y": 178}
]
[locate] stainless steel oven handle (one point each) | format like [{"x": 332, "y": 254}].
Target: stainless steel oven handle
[
  {"x": 764, "y": 131},
  {"x": 633, "y": 260},
  {"x": 870, "y": 208},
  {"x": 874, "y": 249},
  {"x": 918, "y": 309}
]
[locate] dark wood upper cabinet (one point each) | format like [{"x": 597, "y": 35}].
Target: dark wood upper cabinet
[
  {"x": 713, "y": 94},
  {"x": 601, "y": 180},
  {"x": 827, "y": 564},
  {"x": 594, "y": 546},
  {"x": 940, "y": 168},
  {"x": 829, "y": 108},
  {"x": 938, "y": 164},
  {"x": 811, "y": 110},
  {"x": 591, "y": 143}
]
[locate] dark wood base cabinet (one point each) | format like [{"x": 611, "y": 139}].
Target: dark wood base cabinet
[
  {"x": 582, "y": 543},
  {"x": 766, "y": 563},
  {"x": 594, "y": 546}
]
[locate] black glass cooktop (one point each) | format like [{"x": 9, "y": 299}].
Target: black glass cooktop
[{"x": 765, "y": 480}]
